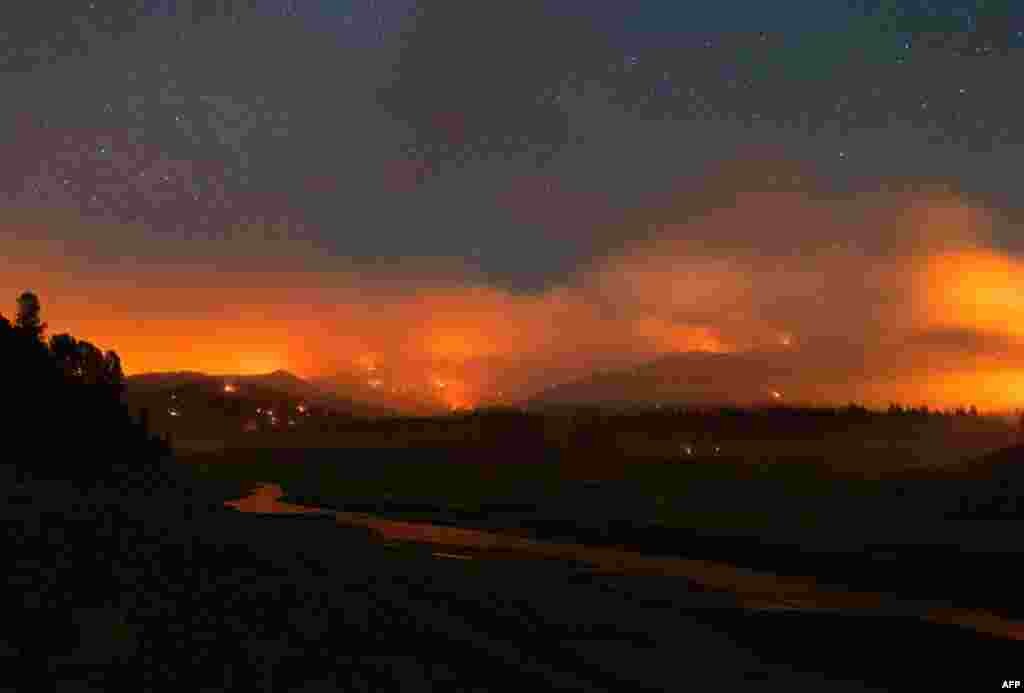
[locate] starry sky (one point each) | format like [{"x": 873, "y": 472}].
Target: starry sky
[{"x": 513, "y": 194}]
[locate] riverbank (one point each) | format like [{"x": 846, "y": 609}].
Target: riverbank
[
  {"x": 129, "y": 591},
  {"x": 742, "y": 587},
  {"x": 941, "y": 537}
]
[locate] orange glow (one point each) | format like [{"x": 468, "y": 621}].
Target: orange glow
[
  {"x": 668, "y": 337},
  {"x": 747, "y": 275},
  {"x": 458, "y": 346},
  {"x": 989, "y": 389},
  {"x": 454, "y": 393},
  {"x": 367, "y": 362},
  {"x": 255, "y": 365},
  {"x": 976, "y": 289}
]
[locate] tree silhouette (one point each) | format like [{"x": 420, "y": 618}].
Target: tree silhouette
[
  {"x": 112, "y": 372},
  {"x": 27, "y": 320},
  {"x": 91, "y": 363},
  {"x": 66, "y": 396},
  {"x": 64, "y": 349},
  {"x": 83, "y": 362}
]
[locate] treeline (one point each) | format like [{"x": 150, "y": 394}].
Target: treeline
[
  {"x": 76, "y": 361},
  {"x": 852, "y": 410},
  {"x": 63, "y": 404}
]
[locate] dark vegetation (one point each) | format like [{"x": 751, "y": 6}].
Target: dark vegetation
[
  {"x": 923, "y": 504},
  {"x": 64, "y": 406}
]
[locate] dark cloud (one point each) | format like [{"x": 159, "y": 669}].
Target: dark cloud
[{"x": 475, "y": 79}]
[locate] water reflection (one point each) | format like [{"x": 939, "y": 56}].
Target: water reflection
[
  {"x": 753, "y": 589},
  {"x": 265, "y": 499}
]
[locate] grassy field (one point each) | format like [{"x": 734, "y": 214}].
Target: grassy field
[
  {"x": 726, "y": 475},
  {"x": 889, "y": 504}
]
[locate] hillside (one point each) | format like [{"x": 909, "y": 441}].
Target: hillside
[
  {"x": 191, "y": 405},
  {"x": 688, "y": 379},
  {"x": 384, "y": 390}
]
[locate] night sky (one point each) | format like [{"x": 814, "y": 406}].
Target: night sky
[{"x": 507, "y": 195}]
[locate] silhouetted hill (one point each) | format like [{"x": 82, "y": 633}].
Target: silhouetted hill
[
  {"x": 168, "y": 378},
  {"x": 264, "y": 386},
  {"x": 382, "y": 391},
  {"x": 191, "y": 405},
  {"x": 280, "y": 380},
  {"x": 688, "y": 379},
  {"x": 1005, "y": 464}
]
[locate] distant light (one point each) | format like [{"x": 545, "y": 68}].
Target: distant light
[
  {"x": 174, "y": 412},
  {"x": 301, "y": 409},
  {"x": 291, "y": 422},
  {"x": 776, "y": 394},
  {"x": 228, "y": 387}
]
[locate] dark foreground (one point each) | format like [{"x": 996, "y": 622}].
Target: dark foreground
[{"x": 173, "y": 591}]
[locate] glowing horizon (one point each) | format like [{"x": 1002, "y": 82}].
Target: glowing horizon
[{"x": 923, "y": 309}]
